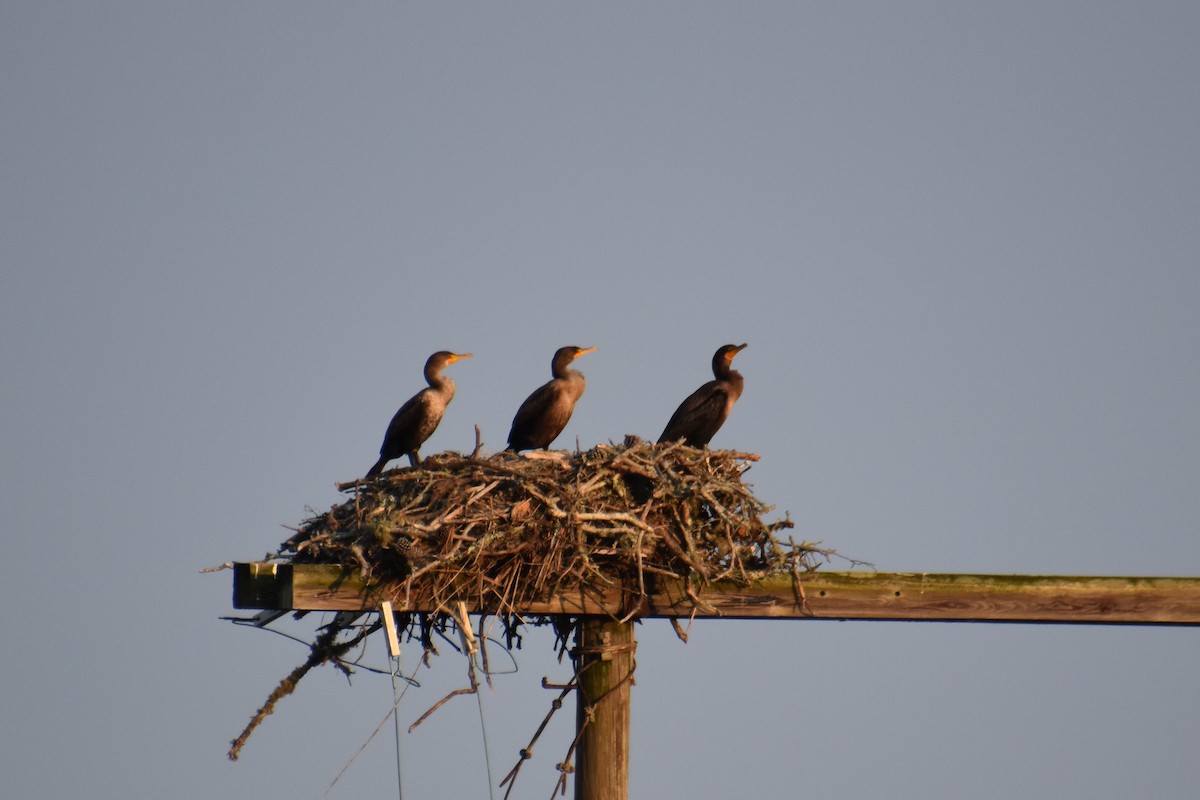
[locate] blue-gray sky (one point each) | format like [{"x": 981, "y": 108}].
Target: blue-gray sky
[{"x": 961, "y": 241}]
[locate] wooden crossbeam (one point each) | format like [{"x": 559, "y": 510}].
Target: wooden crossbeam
[{"x": 825, "y": 595}]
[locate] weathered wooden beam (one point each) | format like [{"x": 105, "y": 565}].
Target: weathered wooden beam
[{"x": 826, "y": 595}]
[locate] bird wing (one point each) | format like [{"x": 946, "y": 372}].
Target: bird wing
[
  {"x": 404, "y": 427},
  {"x": 704, "y": 408},
  {"x": 533, "y": 409}
]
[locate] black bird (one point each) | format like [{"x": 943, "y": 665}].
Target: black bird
[
  {"x": 700, "y": 416},
  {"x": 418, "y": 418},
  {"x": 546, "y": 412}
]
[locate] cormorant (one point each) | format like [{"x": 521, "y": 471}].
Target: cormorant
[
  {"x": 418, "y": 418},
  {"x": 545, "y": 413},
  {"x": 700, "y": 416}
]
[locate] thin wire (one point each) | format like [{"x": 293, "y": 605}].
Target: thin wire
[
  {"x": 411, "y": 682},
  {"x": 397, "y": 696},
  {"x": 245, "y": 623},
  {"x": 487, "y": 755}
]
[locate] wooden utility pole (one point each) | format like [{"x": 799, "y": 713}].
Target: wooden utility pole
[
  {"x": 602, "y": 705},
  {"x": 606, "y": 645}
]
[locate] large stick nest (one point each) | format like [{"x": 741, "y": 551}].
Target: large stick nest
[{"x": 504, "y": 530}]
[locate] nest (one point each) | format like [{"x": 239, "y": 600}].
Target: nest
[{"x": 506, "y": 530}]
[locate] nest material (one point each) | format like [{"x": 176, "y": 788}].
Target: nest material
[{"x": 504, "y": 530}]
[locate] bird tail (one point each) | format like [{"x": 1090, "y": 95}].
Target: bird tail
[{"x": 375, "y": 471}]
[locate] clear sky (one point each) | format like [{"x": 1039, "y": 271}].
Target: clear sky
[{"x": 960, "y": 239}]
